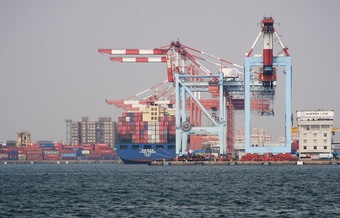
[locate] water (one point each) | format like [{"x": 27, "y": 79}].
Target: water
[{"x": 118, "y": 190}]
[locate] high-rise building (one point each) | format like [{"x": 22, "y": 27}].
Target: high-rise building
[
  {"x": 315, "y": 132},
  {"x": 102, "y": 131},
  {"x": 257, "y": 138}
]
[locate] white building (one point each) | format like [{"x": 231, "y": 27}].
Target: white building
[
  {"x": 315, "y": 132},
  {"x": 257, "y": 138}
]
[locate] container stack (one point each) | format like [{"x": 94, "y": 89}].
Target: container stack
[
  {"x": 52, "y": 155},
  {"x": 132, "y": 129},
  {"x": 58, "y": 151},
  {"x": 3, "y": 154},
  {"x": 34, "y": 153}
]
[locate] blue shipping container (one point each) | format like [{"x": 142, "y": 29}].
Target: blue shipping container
[
  {"x": 77, "y": 149},
  {"x": 13, "y": 152},
  {"x": 69, "y": 155},
  {"x": 46, "y": 145}
]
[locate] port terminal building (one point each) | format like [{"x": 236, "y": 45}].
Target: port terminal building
[{"x": 315, "y": 133}]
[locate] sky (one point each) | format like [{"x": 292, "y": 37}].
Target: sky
[{"x": 51, "y": 71}]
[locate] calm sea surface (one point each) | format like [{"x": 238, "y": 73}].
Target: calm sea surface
[{"x": 118, "y": 190}]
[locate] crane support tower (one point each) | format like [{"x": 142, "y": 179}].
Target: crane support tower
[
  {"x": 268, "y": 63},
  {"x": 23, "y": 139}
]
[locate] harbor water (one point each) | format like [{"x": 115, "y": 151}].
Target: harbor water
[{"x": 118, "y": 190}]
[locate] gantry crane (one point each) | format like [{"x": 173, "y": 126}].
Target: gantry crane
[
  {"x": 267, "y": 77},
  {"x": 225, "y": 85},
  {"x": 23, "y": 139}
]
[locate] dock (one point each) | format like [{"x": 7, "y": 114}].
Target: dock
[
  {"x": 210, "y": 163},
  {"x": 61, "y": 162}
]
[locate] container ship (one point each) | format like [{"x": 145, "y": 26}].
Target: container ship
[
  {"x": 147, "y": 135},
  {"x": 58, "y": 151}
]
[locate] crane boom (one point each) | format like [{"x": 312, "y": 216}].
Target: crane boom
[
  {"x": 139, "y": 59},
  {"x": 134, "y": 51}
]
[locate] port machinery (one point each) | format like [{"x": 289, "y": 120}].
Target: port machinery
[
  {"x": 230, "y": 88},
  {"x": 23, "y": 139}
]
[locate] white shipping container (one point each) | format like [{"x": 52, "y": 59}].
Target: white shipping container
[
  {"x": 127, "y": 119},
  {"x": 85, "y": 151},
  {"x": 3, "y": 155}
]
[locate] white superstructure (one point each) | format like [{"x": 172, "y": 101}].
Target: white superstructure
[{"x": 315, "y": 132}]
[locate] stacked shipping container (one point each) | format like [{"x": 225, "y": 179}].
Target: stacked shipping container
[
  {"x": 132, "y": 129},
  {"x": 58, "y": 151}
]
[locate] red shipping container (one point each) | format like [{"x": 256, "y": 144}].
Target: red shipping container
[
  {"x": 22, "y": 152},
  {"x": 34, "y": 152},
  {"x": 51, "y": 155},
  {"x": 51, "y": 158},
  {"x": 86, "y": 144},
  {"x": 48, "y": 148},
  {"x": 94, "y": 155},
  {"x": 34, "y": 149},
  {"x": 104, "y": 151},
  {"x": 102, "y": 148},
  {"x": 36, "y": 145},
  {"x": 14, "y": 148},
  {"x": 3, "y": 152},
  {"x": 34, "y": 157},
  {"x": 105, "y": 145}
]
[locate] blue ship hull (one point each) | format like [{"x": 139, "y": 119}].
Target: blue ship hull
[{"x": 145, "y": 153}]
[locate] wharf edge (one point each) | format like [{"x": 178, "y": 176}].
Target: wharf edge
[
  {"x": 210, "y": 163},
  {"x": 179, "y": 163}
]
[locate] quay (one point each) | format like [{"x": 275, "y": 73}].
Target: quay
[
  {"x": 210, "y": 163},
  {"x": 178, "y": 163},
  {"x": 61, "y": 162}
]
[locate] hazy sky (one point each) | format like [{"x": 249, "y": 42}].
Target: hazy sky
[{"x": 51, "y": 70}]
